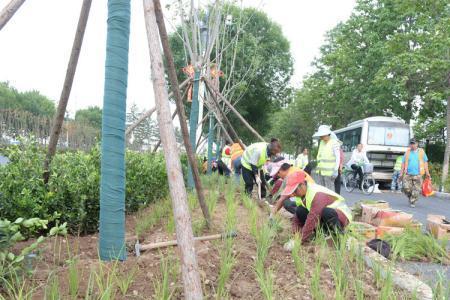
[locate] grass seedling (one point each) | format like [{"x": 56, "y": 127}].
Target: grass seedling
[
  {"x": 126, "y": 280},
  {"x": 413, "y": 244},
  {"x": 338, "y": 267},
  {"x": 441, "y": 289},
  {"x": 161, "y": 285},
  {"x": 359, "y": 290},
  {"x": 90, "y": 286},
  {"x": 264, "y": 239},
  {"x": 227, "y": 262},
  {"x": 265, "y": 280},
  {"x": 147, "y": 219},
  {"x": 104, "y": 279},
  {"x": 388, "y": 286},
  {"x": 170, "y": 226},
  {"x": 211, "y": 201},
  {"x": 298, "y": 257},
  {"x": 52, "y": 289},
  {"x": 74, "y": 279},
  {"x": 316, "y": 288},
  {"x": 15, "y": 287}
]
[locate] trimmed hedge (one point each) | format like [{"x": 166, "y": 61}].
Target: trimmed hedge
[{"x": 73, "y": 192}]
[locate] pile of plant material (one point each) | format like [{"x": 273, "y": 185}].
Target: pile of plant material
[{"x": 413, "y": 244}]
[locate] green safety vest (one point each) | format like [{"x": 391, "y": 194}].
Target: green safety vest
[
  {"x": 257, "y": 149},
  {"x": 313, "y": 189},
  {"x": 398, "y": 163},
  {"x": 326, "y": 160}
]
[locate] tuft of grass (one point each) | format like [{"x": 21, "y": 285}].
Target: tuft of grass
[
  {"x": 125, "y": 281},
  {"x": 387, "y": 290},
  {"x": 441, "y": 290},
  {"x": 52, "y": 288},
  {"x": 316, "y": 287},
  {"x": 413, "y": 244},
  {"x": 147, "y": 220},
  {"x": 104, "y": 278},
  {"x": 162, "y": 285},
  {"x": 74, "y": 278},
  {"x": 265, "y": 279},
  {"x": 15, "y": 287},
  {"x": 299, "y": 257}
]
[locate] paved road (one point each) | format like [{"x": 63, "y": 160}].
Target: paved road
[{"x": 425, "y": 206}]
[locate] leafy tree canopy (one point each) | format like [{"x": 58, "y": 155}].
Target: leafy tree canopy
[{"x": 91, "y": 115}]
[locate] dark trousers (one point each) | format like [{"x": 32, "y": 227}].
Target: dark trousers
[
  {"x": 290, "y": 206},
  {"x": 358, "y": 170},
  {"x": 249, "y": 180},
  {"x": 329, "y": 219},
  {"x": 337, "y": 183},
  {"x": 223, "y": 169}
]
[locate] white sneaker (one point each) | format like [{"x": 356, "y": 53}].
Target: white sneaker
[{"x": 412, "y": 205}]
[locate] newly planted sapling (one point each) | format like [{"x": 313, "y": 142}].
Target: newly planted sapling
[
  {"x": 161, "y": 285},
  {"x": 265, "y": 280}
]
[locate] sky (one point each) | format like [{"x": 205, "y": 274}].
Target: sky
[{"x": 35, "y": 45}]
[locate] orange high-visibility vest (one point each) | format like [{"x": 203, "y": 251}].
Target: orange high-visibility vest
[
  {"x": 421, "y": 161},
  {"x": 236, "y": 151}
]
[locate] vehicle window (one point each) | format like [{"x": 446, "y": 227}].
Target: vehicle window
[
  {"x": 350, "y": 139},
  {"x": 388, "y": 136}
]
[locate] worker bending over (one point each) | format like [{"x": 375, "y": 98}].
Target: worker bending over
[
  {"x": 315, "y": 205},
  {"x": 279, "y": 171},
  {"x": 253, "y": 159},
  {"x": 328, "y": 157},
  {"x": 236, "y": 156}
]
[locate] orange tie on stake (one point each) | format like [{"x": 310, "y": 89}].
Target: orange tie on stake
[{"x": 189, "y": 71}]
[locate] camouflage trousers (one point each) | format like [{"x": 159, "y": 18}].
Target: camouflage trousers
[{"x": 412, "y": 187}]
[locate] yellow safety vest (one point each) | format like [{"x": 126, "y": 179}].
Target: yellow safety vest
[
  {"x": 326, "y": 160},
  {"x": 398, "y": 163},
  {"x": 259, "y": 149},
  {"x": 339, "y": 201},
  {"x": 421, "y": 161}
]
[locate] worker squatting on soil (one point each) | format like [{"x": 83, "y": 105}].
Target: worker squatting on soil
[
  {"x": 315, "y": 205},
  {"x": 253, "y": 159}
]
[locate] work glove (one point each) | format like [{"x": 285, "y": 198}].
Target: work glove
[
  {"x": 335, "y": 174},
  {"x": 258, "y": 180}
]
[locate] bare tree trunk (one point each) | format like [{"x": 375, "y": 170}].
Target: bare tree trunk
[
  {"x": 185, "y": 238},
  {"x": 235, "y": 138},
  {"x": 180, "y": 108},
  {"x": 447, "y": 149},
  {"x": 241, "y": 118},
  {"x": 149, "y": 112},
  {"x": 68, "y": 81},
  {"x": 9, "y": 10}
]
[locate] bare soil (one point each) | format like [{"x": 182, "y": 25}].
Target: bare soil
[{"x": 52, "y": 260}]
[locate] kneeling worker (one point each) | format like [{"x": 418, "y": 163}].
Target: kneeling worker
[
  {"x": 315, "y": 205},
  {"x": 253, "y": 159}
]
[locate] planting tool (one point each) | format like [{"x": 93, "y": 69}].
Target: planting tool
[{"x": 138, "y": 248}]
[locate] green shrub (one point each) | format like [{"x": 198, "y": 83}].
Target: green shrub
[{"x": 73, "y": 189}]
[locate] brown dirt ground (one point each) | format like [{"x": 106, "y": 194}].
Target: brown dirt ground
[{"x": 241, "y": 285}]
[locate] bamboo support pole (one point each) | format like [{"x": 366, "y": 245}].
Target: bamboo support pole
[
  {"x": 240, "y": 117},
  {"x": 68, "y": 81},
  {"x": 180, "y": 108},
  {"x": 9, "y": 10},
  {"x": 189, "y": 267}
]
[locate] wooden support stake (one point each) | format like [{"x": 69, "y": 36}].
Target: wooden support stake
[
  {"x": 149, "y": 112},
  {"x": 9, "y": 10},
  {"x": 185, "y": 237},
  {"x": 235, "y": 135},
  {"x": 240, "y": 117},
  {"x": 180, "y": 108},
  {"x": 68, "y": 81}
]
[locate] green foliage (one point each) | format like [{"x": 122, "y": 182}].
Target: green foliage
[
  {"x": 73, "y": 188},
  {"x": 389, "y": 58},
  {"x": 31, "y": 101},
  {"x": 412, "y": 244},
  {"x": 11, "y": 263},
  {"x": 257, "y": 64},
  {"x": 91, "y": 115}
]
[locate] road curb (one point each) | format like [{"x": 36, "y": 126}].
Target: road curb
[
  {"x": 442, "y": 195},
  {"x": 401, "y": 278}
]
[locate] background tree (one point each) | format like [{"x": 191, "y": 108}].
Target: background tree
[
  {"x": 256, "y": 62},
  {"x": 91, "y": 116}
]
